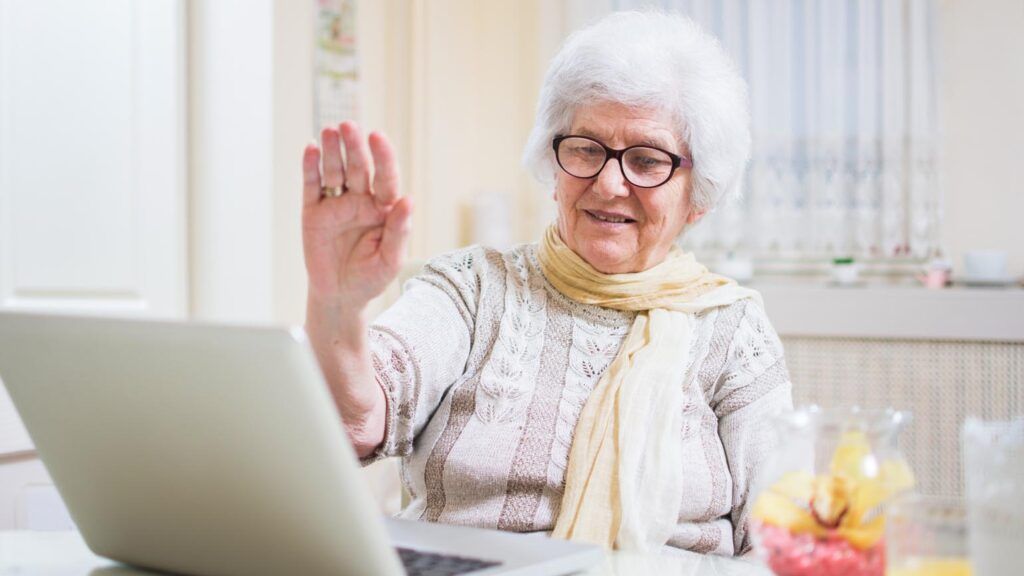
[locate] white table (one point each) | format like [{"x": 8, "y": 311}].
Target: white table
[{"x": 65, "y": 554}]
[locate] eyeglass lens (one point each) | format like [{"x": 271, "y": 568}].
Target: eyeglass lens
[{"x": 642, "y": 166}]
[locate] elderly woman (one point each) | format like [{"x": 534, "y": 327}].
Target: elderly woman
[{"x": 599, "y": 384}]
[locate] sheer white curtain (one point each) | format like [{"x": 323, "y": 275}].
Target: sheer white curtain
[{"x": 843, "y": 96}]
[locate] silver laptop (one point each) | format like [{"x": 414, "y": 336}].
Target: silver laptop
[{"x": 217, "y": 450}]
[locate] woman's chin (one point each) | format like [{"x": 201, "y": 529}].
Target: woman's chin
[{"x": 609, "y": 261}]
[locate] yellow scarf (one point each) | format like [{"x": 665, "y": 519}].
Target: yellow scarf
[{"x": 624, "y": 482}]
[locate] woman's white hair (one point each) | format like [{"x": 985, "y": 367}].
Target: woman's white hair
[{"x": 653, "y": 60}]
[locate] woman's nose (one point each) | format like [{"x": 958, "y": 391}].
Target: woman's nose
[{"x": 609, "y": 181}]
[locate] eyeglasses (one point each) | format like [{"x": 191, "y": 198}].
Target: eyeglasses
[{"x": 641, "y": 166}]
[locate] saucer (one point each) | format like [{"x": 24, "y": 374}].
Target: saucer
[
  {"x": 854, "y": 284},
  {"x": 987, "y": 282}
]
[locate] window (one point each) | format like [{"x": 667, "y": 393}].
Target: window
[{"x": 843, "y": 98}]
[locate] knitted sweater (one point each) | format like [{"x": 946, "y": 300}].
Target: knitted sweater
[{"x": 486, "y": 368}]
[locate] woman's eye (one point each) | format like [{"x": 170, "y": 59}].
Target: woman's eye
[
  {"x": 647, "y": 162},
  {"x": 587, "y": 151}
]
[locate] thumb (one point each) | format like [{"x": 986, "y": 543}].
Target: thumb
[{"x": 396, "y": 233}]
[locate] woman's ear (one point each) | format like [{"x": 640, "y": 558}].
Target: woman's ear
[{"x": 695, "y": 215}]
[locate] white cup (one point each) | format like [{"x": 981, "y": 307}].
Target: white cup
[
  {"x": 985, "y": 264},
  {"x": 845, "y": 274}
]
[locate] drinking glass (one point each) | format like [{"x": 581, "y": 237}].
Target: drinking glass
[
  {"x": 927, "y": 536},
  {"x": 994, "y": 471}
]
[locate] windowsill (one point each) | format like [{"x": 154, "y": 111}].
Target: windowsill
[{"x": 805, "y": 308}]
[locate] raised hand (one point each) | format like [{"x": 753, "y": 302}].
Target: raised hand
[
  {"x": 354, "y": 229},
  {"x": 353, "y": 242}
]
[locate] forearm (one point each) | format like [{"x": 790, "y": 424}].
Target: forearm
[
  {"x": 749, "y": 440},
  {"x": 339, "y": 339}
]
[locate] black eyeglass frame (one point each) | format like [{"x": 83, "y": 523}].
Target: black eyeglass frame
[{"x": 610, "y": 153}]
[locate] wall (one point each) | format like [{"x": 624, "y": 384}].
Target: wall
[
  {"x": 292, "y": 109},
  {"x": 251, "y": 113},
  {"x": 231, "y": 165},
  {"x": 453, "y": 82},
  {"x": 477, "y": 112},
  {"x": 982, "y": 54}
]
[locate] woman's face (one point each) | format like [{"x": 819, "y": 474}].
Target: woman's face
[{"x": 615, "y": 226}]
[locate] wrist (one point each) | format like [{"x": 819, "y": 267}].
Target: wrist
[
  {"x": 366, "y": 427},
  {"x": 338, "y": 335},
  {"x": 337, "y": 324},
  {"x": 335, "y": 301}
]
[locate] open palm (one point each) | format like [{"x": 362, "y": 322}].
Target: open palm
[{"x": 353, "y": 243}]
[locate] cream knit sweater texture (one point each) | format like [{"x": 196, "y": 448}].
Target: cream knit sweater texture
[{"x": 486, "y": 368}]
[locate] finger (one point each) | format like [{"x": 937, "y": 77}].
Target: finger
[
  {"x": 358, "y": 169},
  {"x": 396, "y": 233},
  {"x": 334, "y": 168},
  {"x": 311, "y": 174},
  {"x": 385, "y": 179}
]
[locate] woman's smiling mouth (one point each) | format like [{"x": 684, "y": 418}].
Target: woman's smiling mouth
[{"x": 609, "y": 217}]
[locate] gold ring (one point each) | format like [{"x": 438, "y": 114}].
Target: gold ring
[{"x": 331, "y": 191}]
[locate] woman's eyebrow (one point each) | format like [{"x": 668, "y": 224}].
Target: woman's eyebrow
[
  {"x": 587, "y": 133},
  {"x": 643, "y": 140},
  {"x": 669, "y": 144},
  {"x": 654, "y": 142}
]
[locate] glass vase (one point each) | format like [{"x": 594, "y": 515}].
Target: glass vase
[{"x": 821, "y": 503}]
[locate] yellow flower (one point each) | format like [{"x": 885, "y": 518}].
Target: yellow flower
[{"x": 848, "y": 501}]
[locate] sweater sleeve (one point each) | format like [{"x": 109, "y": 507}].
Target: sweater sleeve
[
  {"x": 753, "y": 387},
  {"x": 420, "y": 345}
]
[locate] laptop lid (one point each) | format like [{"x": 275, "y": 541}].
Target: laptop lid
[{"x": 194, "y": 448}]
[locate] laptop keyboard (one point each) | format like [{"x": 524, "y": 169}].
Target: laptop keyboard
[{"x": 419, "y": 563}]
